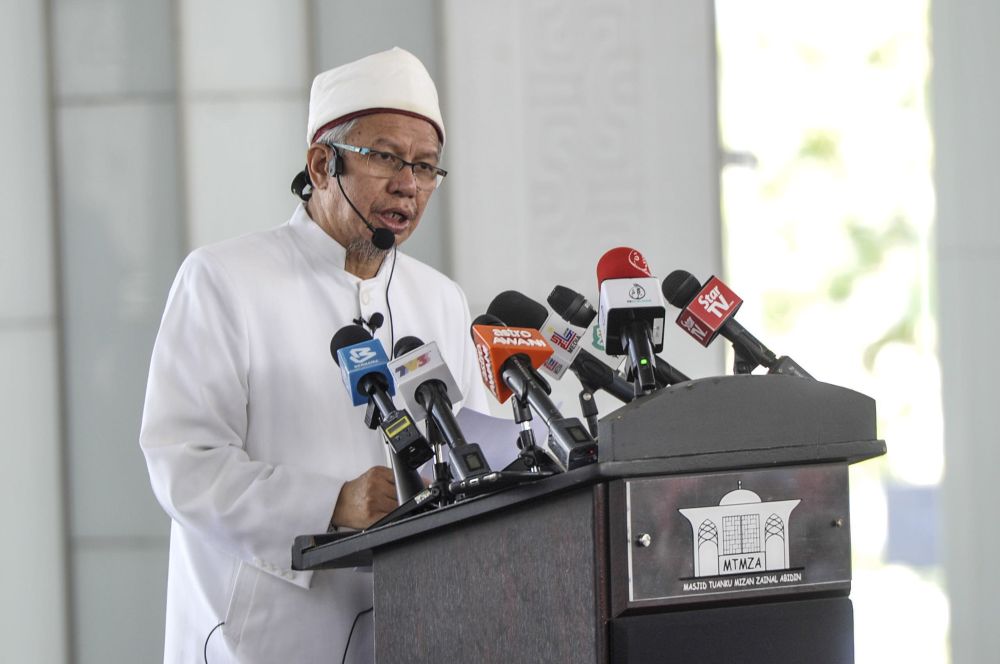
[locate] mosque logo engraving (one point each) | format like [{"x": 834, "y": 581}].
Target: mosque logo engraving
[{"x": 740, "y": 535}]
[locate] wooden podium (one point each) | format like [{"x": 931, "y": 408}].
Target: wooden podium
[{"x": 715, "y": 528}]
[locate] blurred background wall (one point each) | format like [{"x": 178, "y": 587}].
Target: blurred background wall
[{"x": 135, "y": 130}]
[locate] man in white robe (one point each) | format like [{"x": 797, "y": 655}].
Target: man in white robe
[{"x": 248, "y": 431}]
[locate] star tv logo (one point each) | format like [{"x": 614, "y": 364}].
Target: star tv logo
[{"x": 714, "y": 302}]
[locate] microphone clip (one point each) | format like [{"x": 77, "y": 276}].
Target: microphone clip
[{"x": 373, "y": 323}]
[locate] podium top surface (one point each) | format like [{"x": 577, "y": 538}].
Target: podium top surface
[{"x": 769, "y": 415}]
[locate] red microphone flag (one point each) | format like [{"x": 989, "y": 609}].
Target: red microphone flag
[{"x": 708, "y": 311}]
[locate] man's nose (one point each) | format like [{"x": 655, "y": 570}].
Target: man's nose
[{"x": 404, "y": 181}]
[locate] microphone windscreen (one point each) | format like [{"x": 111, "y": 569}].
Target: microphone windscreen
[
  {"x": 622, "y": 263},
  {"x": 518, "y": 310},
  {"x": 680, "y": 287},
  {"x": 571, "y": 306},
  {"x": 383, "y": 238},
  {"x": 347, "y": 336},
  {"x": 405, "y": 345},
  {"x": 488, "y": 319}
]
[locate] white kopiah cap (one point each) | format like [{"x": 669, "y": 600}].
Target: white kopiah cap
[{"x": 394, "y": 81}]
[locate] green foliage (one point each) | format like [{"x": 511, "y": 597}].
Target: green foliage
[
  {"x": 903, "y": 331},
  {"x": 870, "y": 248},
  {"x": 820, "y": 145}
]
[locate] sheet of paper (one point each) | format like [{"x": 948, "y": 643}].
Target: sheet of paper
[{"x": 497, "y": 437}]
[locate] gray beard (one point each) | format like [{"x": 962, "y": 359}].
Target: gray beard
[{"x": 364, "y": 252}]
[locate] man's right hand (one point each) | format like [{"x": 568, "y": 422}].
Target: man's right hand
[{"x": 365, "y": 499}]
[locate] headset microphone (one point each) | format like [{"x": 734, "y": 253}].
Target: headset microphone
[{"x": 382, "y": 238}]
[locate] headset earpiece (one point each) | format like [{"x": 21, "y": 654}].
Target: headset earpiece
[{"x": 334, "y": 166}]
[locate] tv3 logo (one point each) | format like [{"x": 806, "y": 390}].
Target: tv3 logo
[
  {"x": 413, "y": 364},
  {"x": 360, "y": 355}
]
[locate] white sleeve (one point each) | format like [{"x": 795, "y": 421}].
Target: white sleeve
[{"x": 194, "y": 429}]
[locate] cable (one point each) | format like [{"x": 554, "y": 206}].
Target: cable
[
  {"x": 381, "y": 237},
  {"x": 205, "y": 653},
  {"x": 392, "y": 270},
  {"x": 353, "y": 625}
]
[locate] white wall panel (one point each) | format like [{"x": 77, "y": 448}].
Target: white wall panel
[
  {"x": 119, "y": 602},
  {"x": 32, "y": 614},
  {"x": 965, "y": 105},
  {"x": 238, "y": 46},
  {"x": 121, "y": 227},
  {"x": 26, "y": 262},
  {"x": 110, "y": 47},
  {"x": 33, "y": 618},
  {"x": 575, "y": 128},
  {"x": 241, "y": 157}
]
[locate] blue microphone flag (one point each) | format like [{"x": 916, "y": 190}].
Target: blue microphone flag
[{"x": 359, "y": 360}]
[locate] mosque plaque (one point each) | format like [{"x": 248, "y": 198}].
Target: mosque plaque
[{"x": 732, "y": 536}]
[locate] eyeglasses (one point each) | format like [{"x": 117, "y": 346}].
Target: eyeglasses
[{"x": 386, "y": 164}]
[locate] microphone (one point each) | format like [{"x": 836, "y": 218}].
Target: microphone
[
  {"x": 364, "y": 369},
  {"x": 564, "y": 338},
  {"x": 708, "y": 311},
  {"x": 631, "y": 313},
  {"x": 508, "y": 359},
  {"x": 572, "y": 306},
  {"x": 589, "y": 369},
  {"x": 382, "y": 238},
  {"x": 373, "y": 323},
  {"x": 424, "y": 382}
]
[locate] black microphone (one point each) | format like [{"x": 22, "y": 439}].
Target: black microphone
[
  {"x": 708, "y": 311},
  {"x": 382, "y": 238},
  {"x": 572, "y": 306},
  {"x": 423, "y": 380},
  {"x": 373, "y": 323},
  {"x": 521, "y": 311}
]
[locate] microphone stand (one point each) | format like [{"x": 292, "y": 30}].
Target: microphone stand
[
  {"x": 588, "y": 406},
  {"x": 532, "y": 458},
  {"x": 743, "y": 363},
  {"x": 408, "y": 482},
  {"x": 445, "y": 490},
  {"x": 442, "y": 472}
]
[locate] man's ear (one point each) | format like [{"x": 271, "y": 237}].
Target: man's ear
[{"x": 318, "y": 160}]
